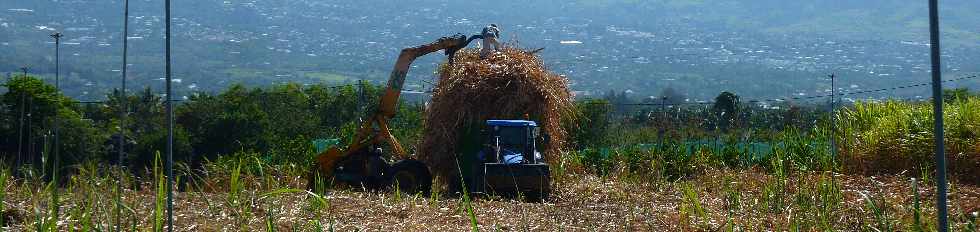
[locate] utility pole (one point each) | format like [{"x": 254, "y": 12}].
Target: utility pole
[
  {"x": 20, "y": 126},
  {"x": 360, "y": 97},
  {"x": 833, "y": 116},
  {"x": 30, "y": 137},
  {"x": 45, "y": 147},
  {"x": 57, "y": 120},
  {"x": 937, "y": 114},
  {"x": 663, "y": 119},
  {"x": 170, "y": 126},
  {"x": 123, "y": 111}
]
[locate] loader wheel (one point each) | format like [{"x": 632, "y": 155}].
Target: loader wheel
[
  {"x": 536, "y": 196},
  {"x": 316, "y": 182},
  {"x": 409, "y": 176}
]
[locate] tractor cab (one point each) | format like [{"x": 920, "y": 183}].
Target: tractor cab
[
  {"x": 509, "y": 162},
  {"x": 511, "y": 142}
]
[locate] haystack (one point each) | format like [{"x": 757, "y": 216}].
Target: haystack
[{"x": 506, "y": 85}]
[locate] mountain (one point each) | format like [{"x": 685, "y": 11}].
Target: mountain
[{"x": 756, "y": 48}]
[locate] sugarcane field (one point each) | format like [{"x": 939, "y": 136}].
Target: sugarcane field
[{"x": 584, "y": 115}]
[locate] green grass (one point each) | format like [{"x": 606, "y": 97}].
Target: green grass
[
  {"x": 872, "y": 138},
  {"x": 467, "y": 202},
  {"x": 691, "y": 210},
  {"x": 4, "y": 176},
  {"x": 894, "y": 136},
  {"x": 161, "y": 194},
  {"x": 880, "y": 211}
]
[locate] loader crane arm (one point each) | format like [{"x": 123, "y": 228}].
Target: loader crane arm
[{"x": 374, "y": 130}]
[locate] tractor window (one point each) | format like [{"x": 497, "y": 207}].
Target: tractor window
[{"x": 513, "y": 138}]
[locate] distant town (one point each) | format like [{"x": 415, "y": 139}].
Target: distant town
[{"x": 262, "y": 42}]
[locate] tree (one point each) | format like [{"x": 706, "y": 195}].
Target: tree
[
  {"x": 148, "y": 144},
  {"x": 620, "y": 101},
  {"x": 725, "y": 110},
  {"x": 673, "y": 96},
  {"x": 230, "y": 122},
  {"x": 147, "y": 113},
  {"x": 592, "y": 124},
  {"x": 957, "y": 94},
  {"x": 38, "y": 103}
]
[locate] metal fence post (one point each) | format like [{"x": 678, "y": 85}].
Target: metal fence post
[
  {"x": 937, "y": 102},
  {"x": 170, "y": 124}
]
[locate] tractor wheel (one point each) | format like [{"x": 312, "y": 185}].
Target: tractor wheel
[{"x": 409, "y": 176}]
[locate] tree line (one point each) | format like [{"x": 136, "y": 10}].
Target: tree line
[{"x": 277, "y": 123}]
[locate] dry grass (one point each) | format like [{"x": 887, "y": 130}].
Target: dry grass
[{"x": 580, "y": 203}]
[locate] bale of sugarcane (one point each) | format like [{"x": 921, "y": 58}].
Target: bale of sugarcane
[{"x": 510, "y": 84}]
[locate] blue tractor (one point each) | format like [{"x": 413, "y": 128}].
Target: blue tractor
[{"x": 507, "y": 162}]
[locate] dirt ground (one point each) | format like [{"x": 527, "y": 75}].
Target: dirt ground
[{"x": 579, "y": 203}]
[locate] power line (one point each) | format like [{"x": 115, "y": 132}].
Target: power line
[{"x": 861, "y": 91}]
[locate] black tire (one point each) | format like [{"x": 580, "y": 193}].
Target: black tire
[{"x": 409, "y": 176}]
